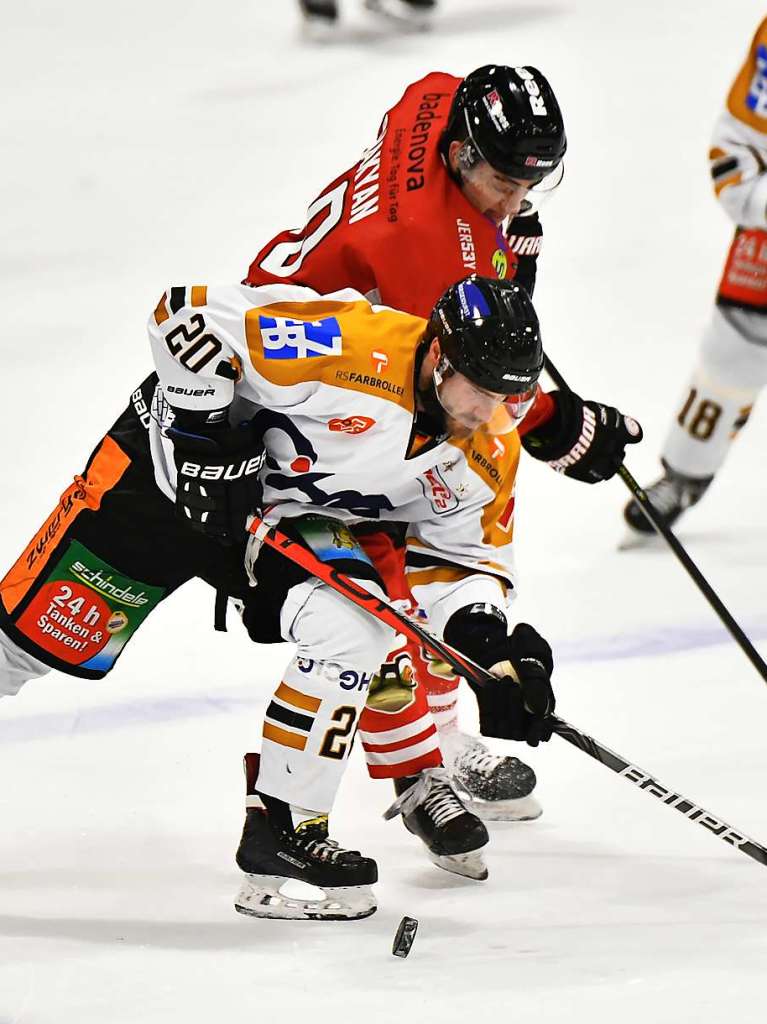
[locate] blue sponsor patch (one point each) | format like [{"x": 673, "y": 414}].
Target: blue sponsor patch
[
  {"x": 299, "y": 339},
  {"x": 473, "y": 302},
  {"x": 757, "y": 93}
]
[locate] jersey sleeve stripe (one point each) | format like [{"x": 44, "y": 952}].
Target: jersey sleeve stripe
[
  {"x": 199, "y": 295},
  {"x": 161, "y": 313},
  {"x": 177, "y": 299}
]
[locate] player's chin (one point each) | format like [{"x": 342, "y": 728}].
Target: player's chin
[
  {"x": 459, "y": 430},
  {"x": 496, "y": 216}
]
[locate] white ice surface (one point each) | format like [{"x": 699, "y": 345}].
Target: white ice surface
[{"x": 147, "y": 144}]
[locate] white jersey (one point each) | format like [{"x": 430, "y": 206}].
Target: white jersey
[
  {"x": 739, "y": 145},
  {"x": 330, "y": 383}
]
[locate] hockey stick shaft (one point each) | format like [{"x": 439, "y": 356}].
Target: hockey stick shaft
[
  {"x": 687, "y": 563},
  {"x": 463, "y": 666}
]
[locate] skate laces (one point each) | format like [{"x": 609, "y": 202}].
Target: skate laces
[
  {"x": 315, "y": 841},
  {"x": 666, "y": 495},
  {"x": 477, "y": 758},
  {"x": 435, "y": 791}
]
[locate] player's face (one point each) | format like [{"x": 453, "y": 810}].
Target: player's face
[{"x": 492, "y": 193}]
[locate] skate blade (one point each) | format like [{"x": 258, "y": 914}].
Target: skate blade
[
  {"x": 260, "y": 896},
  {"x": 470, "y": 865},
  {"x": 633, "y": 540},
  {"x": 319, "y": 30},
  {"x": 524, "y": 808},
  {"x": 415, "y": 22}
]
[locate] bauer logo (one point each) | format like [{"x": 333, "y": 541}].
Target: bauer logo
[
  {"x": 299, "y": 339},
  {"x": 756, "y": 99}
]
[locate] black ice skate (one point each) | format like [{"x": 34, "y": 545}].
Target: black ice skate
[
  {"x": 670, "y": 496},
  {"x": 432, "y": 810},
  {"x": 415, "y": 14},
  {"x": 320, "y": 17},
  {"x": 497, "y": 788},
  {"x": 272, "y": 852}
]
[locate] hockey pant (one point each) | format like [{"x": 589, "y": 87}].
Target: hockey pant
[
  {"x": 399, "y": 727},
  {"x": 113, "y": 549},
  {"x": 731, "y": 371}
]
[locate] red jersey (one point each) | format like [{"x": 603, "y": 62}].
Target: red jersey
[{"x": 396, "y": 227}]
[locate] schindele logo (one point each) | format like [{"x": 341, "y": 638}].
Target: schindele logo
[{"x": 299, "y": 339}]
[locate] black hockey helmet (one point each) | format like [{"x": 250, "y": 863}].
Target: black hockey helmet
[
  {"x": 488, "y": 331},
  {"x": 511, "y": 119}
]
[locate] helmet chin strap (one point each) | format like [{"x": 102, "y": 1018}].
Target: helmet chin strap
[{"x": 432, "y": 405}]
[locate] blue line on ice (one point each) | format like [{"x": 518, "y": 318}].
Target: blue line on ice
[{"x": 647, "y": 644}]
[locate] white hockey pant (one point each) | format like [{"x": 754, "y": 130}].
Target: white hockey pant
[
  {"x": 730, "y": 372},
  {"x": 310, "y": 723},
  {"x": 16, "y": 667}
]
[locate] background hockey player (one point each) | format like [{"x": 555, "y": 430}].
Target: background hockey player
[
  {"x": 244, "y": 409},
  {"x": 321, "y": 16},
  {"x": 455, "y": 172},
  {"x": 731, "y": 367}
]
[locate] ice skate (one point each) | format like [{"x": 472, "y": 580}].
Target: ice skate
[
  {"x": 320, "y": 19},
  {"x": 272, "y": 852},
  {"x": 432, "y": 810},
  {"x": 413, "y": 14},
  {"x": 498, "y": 788},
  {"x": 670, "y": 496}
]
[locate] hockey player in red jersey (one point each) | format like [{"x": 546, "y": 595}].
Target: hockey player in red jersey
[
  {"x": 449, "y": 186},
  {"x": 731, "y": 364}
]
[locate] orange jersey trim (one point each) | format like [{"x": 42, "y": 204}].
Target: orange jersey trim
[
  {"x": 737, "y": 100},
  {"x": 161, "y": 313},
  {"x": 107, "y": 467}
]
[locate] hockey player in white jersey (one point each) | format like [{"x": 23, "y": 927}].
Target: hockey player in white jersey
[
  {"x": 278, "y": 398},
  {"x": 322, "y": 16},
  {"x": 731, "y": 366}
]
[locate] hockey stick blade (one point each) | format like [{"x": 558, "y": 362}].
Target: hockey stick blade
[
  {"x": 465, "y": 667},
  {"x": 650, "y": 513}
]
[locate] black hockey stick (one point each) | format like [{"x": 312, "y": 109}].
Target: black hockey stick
[
  {"x": 650, "y": 513},
  {"x": 463, "y": 666}
]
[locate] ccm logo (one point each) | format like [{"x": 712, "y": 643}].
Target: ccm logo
[
  {"x": 351, "y": 424},
  {"x": 230, "y": 472}
]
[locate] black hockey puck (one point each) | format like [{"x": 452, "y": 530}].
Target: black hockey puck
[{"x": 405, "y": 936}]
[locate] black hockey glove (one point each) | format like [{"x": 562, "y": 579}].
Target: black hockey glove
[
  {"x": 583, "y": 440},
  {"x": 515, "y": 705},
  {"x": 218, "y": 485}
]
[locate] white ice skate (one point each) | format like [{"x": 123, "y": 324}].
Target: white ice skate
[
  {"x": 497, "y": 788},
  {"x": 411, "y": 14}
]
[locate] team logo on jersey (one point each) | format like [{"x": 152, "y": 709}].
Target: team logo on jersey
[
  {"x": 756, "y": 99},
  {"x": 351, "y": 424},
  {"x": 299, "y": 339},
  {"x": 440, "y": 497},
  {"x": 500, "y": 263},
  {"x": 380, "y": 360}
]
